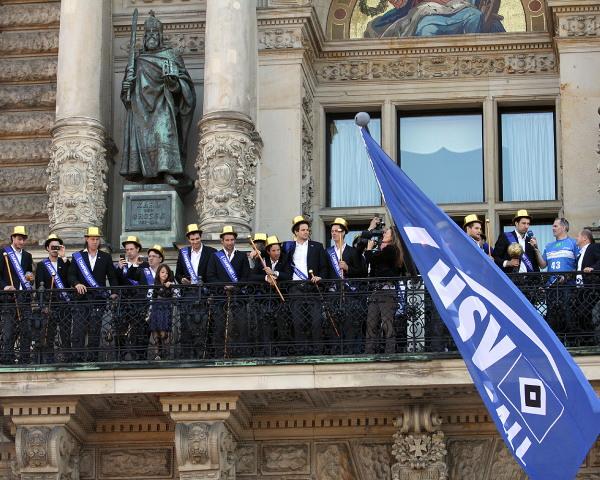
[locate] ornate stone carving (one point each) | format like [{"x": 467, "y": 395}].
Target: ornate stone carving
[
  {"x": 23, "y": 15},
  {"x": 28, "y": 70},
  {"x": 579, "y": 26},
  {"x": 334, "y": 462},
  {"x": 18, "y": 43},
  {"x": 285, "y": 459},
  {"x": 466, "y": 458},
  {"x": 427, "y": 67},
  {"x": 419, "y": 446},
  {"x": 307, "y": 150},
  {"x": 374, "y": 460},
  {"x": 19, "y": 207},
  {"x": 228, "y": 153},
  {"x": 142, "y": 463},
  {"x": 26, "y": 123},
  {"x": 87, "y": 464},
  {"x": 205, "y": 450},
  {"x": 27, "y": 96},
  {"x": 279, "y": 38},
  {"x": 504, "y": 466},
  {"x": 77, "y": 171},
  {"x": 246, "y": 460},
  {"x": 53, "y": 450},
  {"x": 24, "y": 179}
]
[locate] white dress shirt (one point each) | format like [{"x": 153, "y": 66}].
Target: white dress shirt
[
  {"x": 300, "y": 259},
  {"x": 195, "y": 258}
]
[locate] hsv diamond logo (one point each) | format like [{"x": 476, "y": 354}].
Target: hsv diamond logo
[{"x": 537, "y": 404}]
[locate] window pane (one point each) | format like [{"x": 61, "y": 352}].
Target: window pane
[
  {"x": 443, "y": 155},
  {"x": 351, "y": 179},
  {"x": 528, "y": 161}
]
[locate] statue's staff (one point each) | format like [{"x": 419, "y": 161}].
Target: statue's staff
[
  {"x": 270, "y": 275},
  {"x": 12, "y": 285},
  {"x": 131, "y": 62}
]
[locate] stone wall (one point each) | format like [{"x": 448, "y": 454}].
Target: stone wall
[{"x": 28, "y": 60}]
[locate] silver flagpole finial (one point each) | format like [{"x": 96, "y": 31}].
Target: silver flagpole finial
[{"x": 362, "y": 119}]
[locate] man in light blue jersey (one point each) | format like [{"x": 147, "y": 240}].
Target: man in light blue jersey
[{"x": 560, "y": 256}]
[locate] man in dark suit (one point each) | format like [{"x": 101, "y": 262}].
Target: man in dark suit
[
  {"x": 267, "y": 308},
  {"x": 588, "y": 306},
  {"x": 192, "y": 263},
  {"x": 130, "y": 321},
  {"x": 309, "y": 265},
  {"x": 345, "y": 262},
  {"x": 88, "y": 273},
  {"x": 530, "y": 259},
  {"x": 16, "y": 276},
  {"x": 52, "y": 274},
  {"x": 230, "y": 266}
]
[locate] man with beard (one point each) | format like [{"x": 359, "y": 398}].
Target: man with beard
[{"x": 159, "y": 96}]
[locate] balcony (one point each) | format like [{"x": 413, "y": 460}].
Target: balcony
[{"x": 353, "y": 321}]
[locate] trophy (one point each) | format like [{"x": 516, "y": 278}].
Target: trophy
[{"x": 515, "y": 251}]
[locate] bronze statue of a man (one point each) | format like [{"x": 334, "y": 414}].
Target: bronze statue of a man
[{"x": 159, "y": 97}]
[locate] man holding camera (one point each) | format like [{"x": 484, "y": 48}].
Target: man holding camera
[
  {"x": 16, "y": 276},
  {"x": 52, "y": 273},
  {"x": 129, "y": 325}
]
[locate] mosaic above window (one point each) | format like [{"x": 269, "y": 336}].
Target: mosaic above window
[{"x": 427, "y": 18}]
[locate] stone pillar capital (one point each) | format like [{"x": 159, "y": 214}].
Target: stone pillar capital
[
  {"x": 206, "y": 428},
  {"x": 48, "y": 434}
]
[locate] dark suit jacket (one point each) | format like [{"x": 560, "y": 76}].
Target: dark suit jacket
[
  {"x": 356, "y": 265},
  {"x": 181, "y": 271},
  {"x": 500, "y": 253},
  {"x": 283, "y": 267},
  {"x": 591, "y": 258},
  {"x": 316, "y": 258},
  {"x": 26, "y": 264},
  {"x": 103, "y": 270},
  {"x": 42, "y": 275},
  {"x": 215, "y": 272}
]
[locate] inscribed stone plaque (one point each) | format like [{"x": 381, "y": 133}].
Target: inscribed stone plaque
[{"x": 148, "y": 212}]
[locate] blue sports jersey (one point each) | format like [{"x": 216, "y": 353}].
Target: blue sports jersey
[{"x": 561, "y": 255}]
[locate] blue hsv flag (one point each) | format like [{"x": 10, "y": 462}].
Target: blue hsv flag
[{"x": 543, "y": 406}]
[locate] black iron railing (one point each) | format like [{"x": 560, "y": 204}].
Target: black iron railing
[{"x": 358, "y": 317}]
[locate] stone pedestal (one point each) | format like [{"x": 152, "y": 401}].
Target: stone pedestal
[{"x": 154, "y": 213}]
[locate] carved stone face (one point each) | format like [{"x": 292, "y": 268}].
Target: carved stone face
[
  {"x": 152, "y": 39},
  {"x": 198, "y": 444}
]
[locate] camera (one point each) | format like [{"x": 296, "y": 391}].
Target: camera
[
  {"x": 55, "y": 247},
  {"x": 375, "y": 235},
  {"x": 122, "y": 256}
]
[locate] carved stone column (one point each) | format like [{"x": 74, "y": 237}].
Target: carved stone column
[
  {"x": 205, "y": 434},
  {"x": 47, "y": 438},
  {"x": 419, "y": 446},
  {"x": 78, "y": 163},
  {"x": 229, "y": 147}
]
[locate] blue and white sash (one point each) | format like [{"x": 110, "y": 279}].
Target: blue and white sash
[
  {"x": 299, "y": 272},
  {"x": 85, "y": 271},
  {"x": 287, "y": 246},
  {"x": 17, "y": 266},
  {"x": 149, "y": 280},
  {"x": 186, "y": 254},
  {"x": 57, "y": 280},
  {"x": 335, "y": 263},
  {"x": 227, "y": 265},
  {"x": 512, "y": 237}
]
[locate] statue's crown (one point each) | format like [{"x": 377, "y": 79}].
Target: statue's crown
[{"x": 152, "y": 23}]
